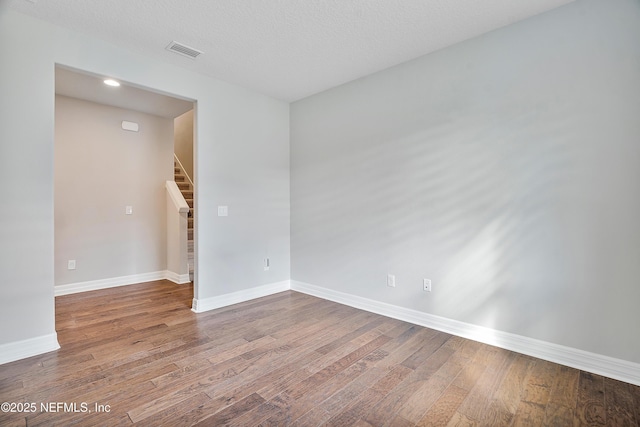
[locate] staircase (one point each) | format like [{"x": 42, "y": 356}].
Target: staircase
[{"x": 187, "y": 192}]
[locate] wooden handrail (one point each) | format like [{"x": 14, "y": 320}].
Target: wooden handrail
[
  {"x": 175, "y": 157},
  {"x": 176, "y": 197}
]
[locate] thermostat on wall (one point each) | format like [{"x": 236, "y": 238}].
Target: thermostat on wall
[{"x": 131, "y": 126}]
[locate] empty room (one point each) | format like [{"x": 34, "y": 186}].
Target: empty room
[{"x": 390, "y": 213}]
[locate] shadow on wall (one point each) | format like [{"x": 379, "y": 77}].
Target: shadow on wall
[{"x": 473, "y": 206}]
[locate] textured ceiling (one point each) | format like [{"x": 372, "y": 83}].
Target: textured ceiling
[{"x": 288, "y": 49}]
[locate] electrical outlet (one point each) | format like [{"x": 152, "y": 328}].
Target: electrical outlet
[
  {"x": 128, "y": 210},
  {"x": 426, "y": 285},
  {"x": 71, "y": 264},
  {"x": 266, "y": 264},
  {"x": 391, "y": 280}
]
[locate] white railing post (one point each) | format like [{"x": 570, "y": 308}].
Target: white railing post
[{"x": 177, "y": 211}]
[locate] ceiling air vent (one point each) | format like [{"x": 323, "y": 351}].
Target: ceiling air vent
[{"x": 183, "y": 50}]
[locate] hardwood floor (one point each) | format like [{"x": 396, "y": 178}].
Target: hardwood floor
[{"x": 286, "y": 359}]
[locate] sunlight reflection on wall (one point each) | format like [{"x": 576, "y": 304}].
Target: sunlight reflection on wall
[{"x": 504, "y": 169}]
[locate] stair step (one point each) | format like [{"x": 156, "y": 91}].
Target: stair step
[{"x": 187, "y": 193}]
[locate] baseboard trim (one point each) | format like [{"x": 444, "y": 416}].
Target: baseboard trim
[
  {"x": 180, "y": 279},
  {"x": 94, "y": 285},
  {"x": 206, "y": 304},
  {"x": 591, "y": 362},
  {"x": 27, "y": 348}
]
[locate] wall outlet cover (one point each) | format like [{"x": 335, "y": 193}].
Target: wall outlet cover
[{"x": 391, "y": 280}]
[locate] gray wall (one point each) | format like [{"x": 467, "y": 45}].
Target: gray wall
[
  {"x": 243, "y": 162},
  {"x": 99, "y": 168},
  {"x": 183, "y": 140},
  {"x": 505, "y": 168}
]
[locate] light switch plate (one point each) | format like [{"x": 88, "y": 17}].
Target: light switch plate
[{"x": 223, "y": 211}]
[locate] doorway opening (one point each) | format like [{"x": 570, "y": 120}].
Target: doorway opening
[{"x": 114, "y": 150}]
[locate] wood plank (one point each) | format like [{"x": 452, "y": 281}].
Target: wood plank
[
  {"x": 228, "y": 414},
  {"x": 330, "y": 371},
  {"x": 168, "y": 415},
  {"x": 399, "y": 421},
  {"x": 255, "y": 416},
  {"x": 529, "y": 414},
  {"x": 432, "y": 343},
  {"x": 507, "y": 397},
  {"x": 290, "y": 359},
  {"x": 512, "y": 388},
  {"x": 590, "y": 406},
  {"x": 419, "y": 402},
  {"x": 9, "y": 419},
  {"x": 270, "y": 382},
  {"x": 444, "y": 408},
  {"x": 313, "y": 398},
  {"x": 461, "y": 420},
  {"x": 620, "y": 403},
  {"x": 477, "y": 403},
  {"x": 563, "y": 398},
  {"x": 375, "y": 322},
  {"x": 384, "y": 412},
  {"x": 351, "y": 392},
  {"x": 635, "y": 391},
  {"x": 565, "y": 386},
  {"x": 369, "y": 399},
  {"x": 540, "y": 382}
]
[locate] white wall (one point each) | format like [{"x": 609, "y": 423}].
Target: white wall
[
  {"x": 183, "y": 140},
  {"x": 99, "y": 168},
  {"x": 506, "y": 169},
  {"x": 243, "y": 162}
]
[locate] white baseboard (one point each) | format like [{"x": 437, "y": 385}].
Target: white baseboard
[
  {"x": 26, "y": 348},
  {"x": 206, "y": 304},
  {"x": 180, "y": 279},
  {"x": 94, "y": 285},
  {"x": 591, "y": 362}
]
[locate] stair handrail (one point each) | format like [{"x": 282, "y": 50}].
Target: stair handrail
[
  {"x": 176, "y": 197},
  {"x": 184, "y": 171}
]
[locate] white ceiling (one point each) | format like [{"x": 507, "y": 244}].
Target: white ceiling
[
  {"x": 288, "y": 49},
  {"x": 92, "y": 88}
]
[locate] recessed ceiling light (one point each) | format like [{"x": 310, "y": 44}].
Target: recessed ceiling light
[{"x": 111, "y": 82}]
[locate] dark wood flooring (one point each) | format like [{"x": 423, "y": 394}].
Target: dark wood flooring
[{"x": 286, "y": 359}]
